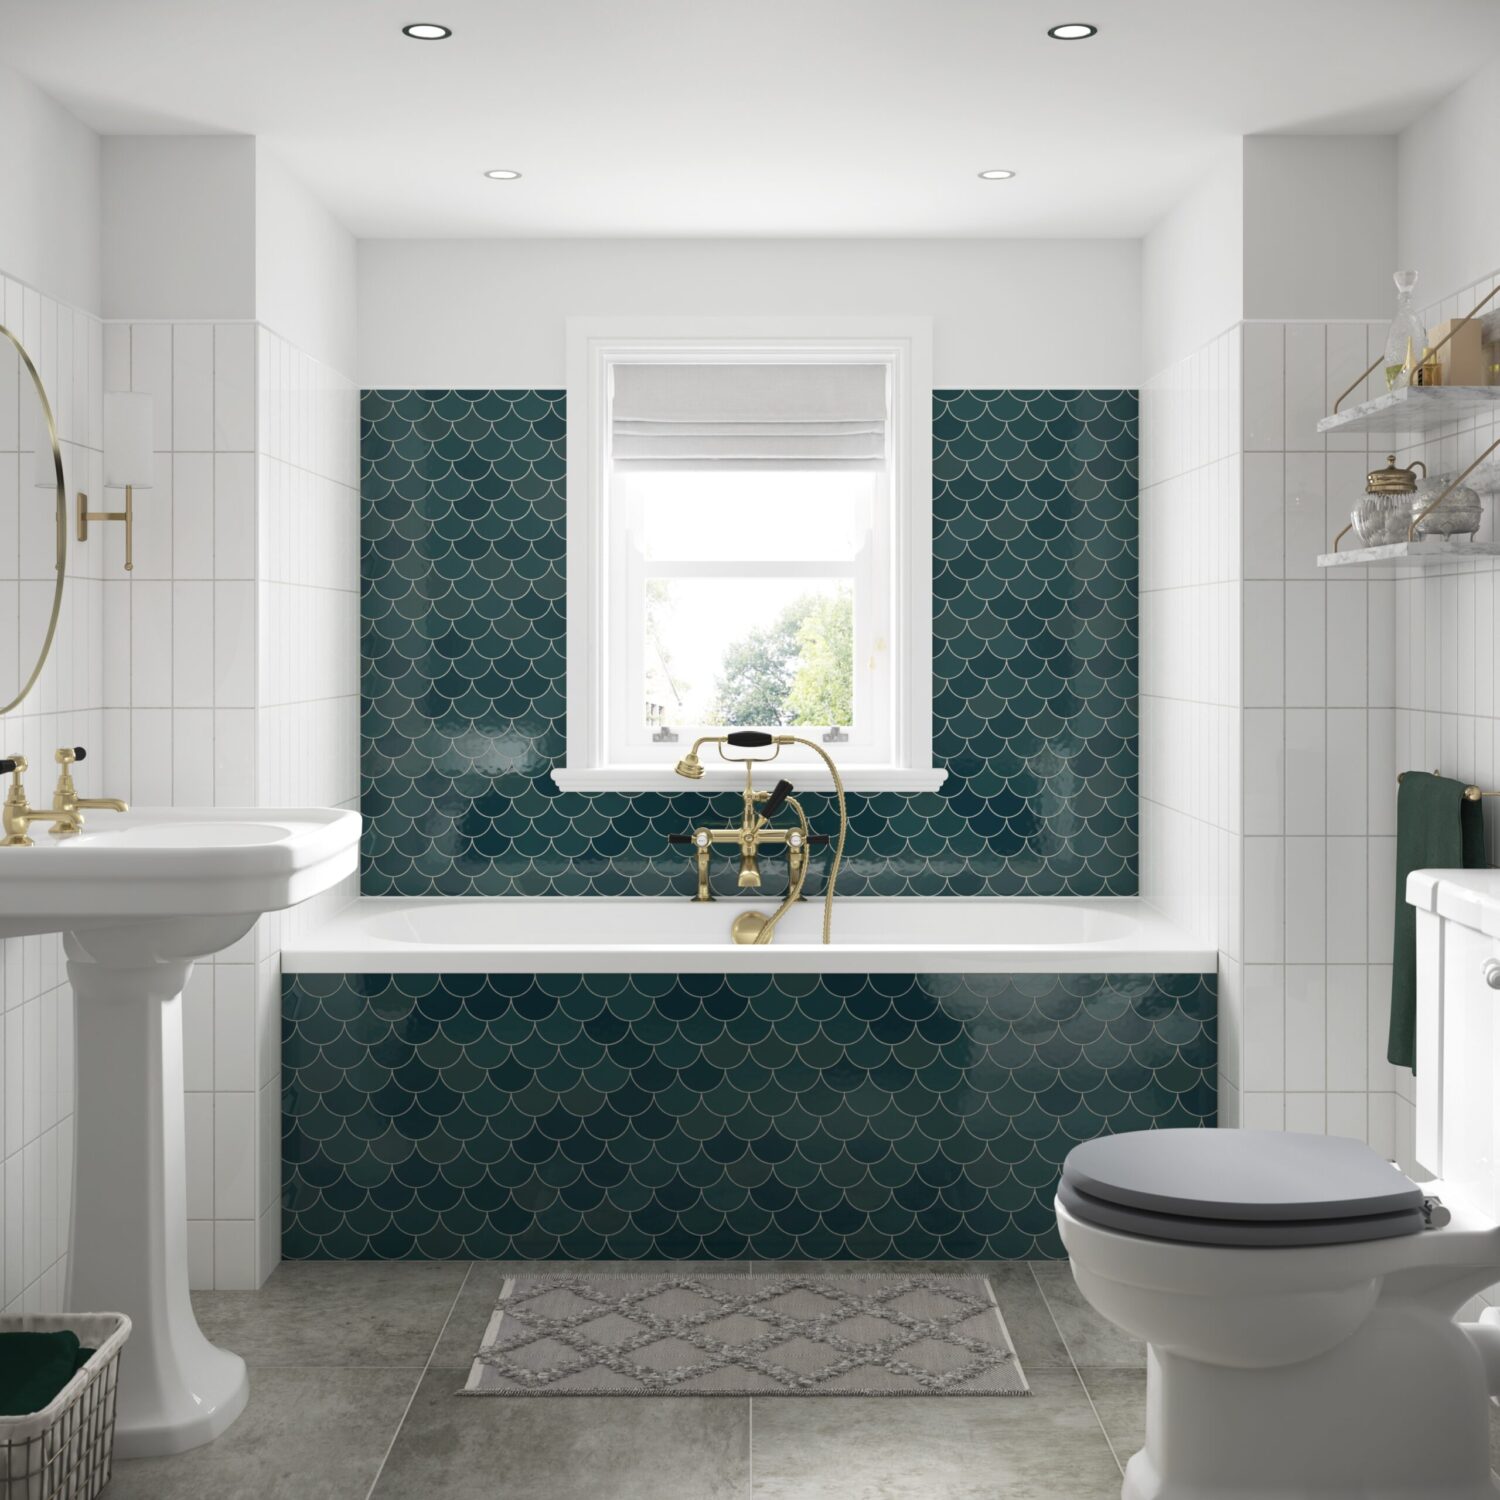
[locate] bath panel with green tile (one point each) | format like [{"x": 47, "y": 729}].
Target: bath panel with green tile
[
  {"x": 883, "y": 1116},
  {"x": 1034, "y": 663}
]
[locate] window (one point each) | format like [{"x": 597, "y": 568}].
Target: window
[{"x": 749, "y": 547}]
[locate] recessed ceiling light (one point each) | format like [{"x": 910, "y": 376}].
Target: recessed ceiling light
[
  {"x": 425, "y": 31},
  {"x": 501, "y": 174},
  {"x": 1073, "y": 31},
  {"x": 997, "y": 174}
]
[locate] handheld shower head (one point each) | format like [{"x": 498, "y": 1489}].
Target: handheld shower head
[{"x": 690, "y": 766}]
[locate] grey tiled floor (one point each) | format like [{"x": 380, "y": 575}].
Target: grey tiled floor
[{"x": 353, "y": 1370}]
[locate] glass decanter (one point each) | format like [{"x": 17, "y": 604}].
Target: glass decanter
[{"x": 1406, "y": 343}]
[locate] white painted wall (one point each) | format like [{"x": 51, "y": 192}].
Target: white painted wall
[
  {"x": 179, "y": 223},
  {"x": 1282, "y": 227},
  {"x": 304, "y": 267},
  {"x": 1192, "y": 269},
  {"x": 1448, "y": 213},
  {"x": 490, "y": 313},
  {"x": 49, "y": 195},
  {"x": 1320, "y": 232}
]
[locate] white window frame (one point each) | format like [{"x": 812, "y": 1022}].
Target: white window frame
[{"x": 904, "y": 346}]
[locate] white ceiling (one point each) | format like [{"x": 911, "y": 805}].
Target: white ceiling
[{"x": 757, "y": 117}]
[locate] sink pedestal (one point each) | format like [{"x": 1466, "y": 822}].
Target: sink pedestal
[{"x": 129, "y": 1252}]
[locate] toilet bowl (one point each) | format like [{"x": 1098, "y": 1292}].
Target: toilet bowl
[{"x": 1298, "y": 1313}]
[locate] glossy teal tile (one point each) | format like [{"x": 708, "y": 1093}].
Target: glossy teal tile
[
  {"x": 887, "y": 1116},
  {"x": 1034, "y": 662}
]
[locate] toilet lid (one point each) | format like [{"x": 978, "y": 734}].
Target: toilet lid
[{"x": 1239, "y": 1187}]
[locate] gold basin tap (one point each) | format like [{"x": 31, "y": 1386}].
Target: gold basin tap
[
  {"x": 66, "y": 813},
  {"x": 67, "y": 806},
  {"x": 753, "y": 832}
]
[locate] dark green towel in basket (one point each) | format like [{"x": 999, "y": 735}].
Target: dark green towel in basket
[
  {"x": 34, "y": 1367},
  {"x": 1437, "y": 828}
]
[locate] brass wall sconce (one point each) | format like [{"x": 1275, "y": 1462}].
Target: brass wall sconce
[{"x": 127, "y": 463}]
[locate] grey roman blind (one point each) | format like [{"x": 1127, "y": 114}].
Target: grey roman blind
[{"x": 749, "y": 416}]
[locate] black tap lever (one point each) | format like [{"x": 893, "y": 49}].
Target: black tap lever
[
  {"x": 776, "y": 801},
  {"x": 749, "y": 739}
]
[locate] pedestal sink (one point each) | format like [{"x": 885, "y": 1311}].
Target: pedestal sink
[{"x": 140, "y": 897}]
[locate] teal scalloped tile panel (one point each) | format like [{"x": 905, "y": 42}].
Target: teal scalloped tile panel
[
  {"x": 706, "y": 1117},
  {"x": 1034, "y": 663}
]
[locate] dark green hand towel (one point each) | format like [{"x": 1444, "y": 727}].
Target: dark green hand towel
[
  {"x": 34, "y": 1367},
  {"x": 1437, "y": 828}
]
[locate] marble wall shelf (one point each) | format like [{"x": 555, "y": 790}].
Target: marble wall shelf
[
  {"x": 1416, "y": 409},
  {"x": 1407, "y": 554}
]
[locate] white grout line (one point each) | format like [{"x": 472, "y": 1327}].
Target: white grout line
[
  {"x": 1088, "y": 1395},
  {"x": 416, "y": 1389}
]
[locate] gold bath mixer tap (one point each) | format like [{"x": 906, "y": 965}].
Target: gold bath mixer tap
[
  {"x": 66, "y": 813},
  {"x": 755, "y": 833}
]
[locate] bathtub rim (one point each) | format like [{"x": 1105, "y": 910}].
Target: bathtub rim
[{"x": 1155, "y": 946}]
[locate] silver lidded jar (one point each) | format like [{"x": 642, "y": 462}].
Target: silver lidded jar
[{"x": 1459, "y": 515}]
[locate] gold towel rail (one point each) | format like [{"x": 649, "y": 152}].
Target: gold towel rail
[{"x": 1471, "y": 793}]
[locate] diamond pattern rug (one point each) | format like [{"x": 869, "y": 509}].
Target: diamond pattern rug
[{"x": 724, "y": 1334}]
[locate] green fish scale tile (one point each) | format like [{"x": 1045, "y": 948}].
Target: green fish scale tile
[
  {"x": 1034, "y": 663},
  {"x": 886, "y": 1115}
]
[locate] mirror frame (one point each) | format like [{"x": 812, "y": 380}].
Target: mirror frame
[{"x": 62, "y": 523}]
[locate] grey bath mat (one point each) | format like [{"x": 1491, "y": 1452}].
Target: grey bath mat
[{"x": 723, "y": 1334}]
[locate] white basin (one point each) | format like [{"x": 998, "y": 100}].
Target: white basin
[
  {"x": 139, "y": 897},
  {"x": 175, "y": 862}
]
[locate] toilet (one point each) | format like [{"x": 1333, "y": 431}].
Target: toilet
[{"x": 1298, "y": 1293}]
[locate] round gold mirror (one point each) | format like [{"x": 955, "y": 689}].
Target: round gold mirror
[{"x": 33, "y": 524}]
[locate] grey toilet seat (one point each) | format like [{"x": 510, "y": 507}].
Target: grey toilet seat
[{"x": 1250, "y": 1188}]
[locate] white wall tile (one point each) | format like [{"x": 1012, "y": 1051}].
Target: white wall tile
[
  {"x": 193, "y": 387},
  {"x": 234, "y": 387}
]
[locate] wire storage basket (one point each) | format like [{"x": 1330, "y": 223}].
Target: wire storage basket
[{"x": 64, "y": 1451}]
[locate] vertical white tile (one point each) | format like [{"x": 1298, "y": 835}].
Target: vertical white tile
[
  {"x": 1263, "y": 676},
  {"x": 151, "y": 373},
  {"x": 151, "y": 645},
  {"x": 198, "y": 1124},
  {"x": 234, "y": 387},
  {"x": 1348, "y": 900},
  {"x": 1263, "y": 1027},
  {"x": 200, "y": 1247},
  {"x": 193, "y": 387},
  {"x": 193, "y": 757},
  {"x": 1306, "y": 385},
  {"x": 234, "y": 1155},
  {"x": 198, "y": 1029},
  {"x": 1264, "y": 900},
  {"x": 1263, "y": 504},
  {"x": 1348, "y": 644},
  {"x": 1306, "y": 1027},
  {"x": 1264, "y": 421},
  {"x": 1306, "y": 873},
  {"x": 1306, "y": 770},
  {"x": 234, "y": 757},
  {"x": 193, "y": 511},
  {"x": 1264, "y": 770},
  {"x": 234, "y": 645},
  {"x": 234, "y": 515},
  {"x": 151, "y": 757},
  {"x": 192, "y": 658},
  {"x": 1305, "y": 634},
  {"x": 235, "y": 1027},
  {"x": 235, "y": 1256}
]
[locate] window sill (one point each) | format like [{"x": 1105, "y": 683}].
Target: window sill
[{"x": 804, "y": 776}]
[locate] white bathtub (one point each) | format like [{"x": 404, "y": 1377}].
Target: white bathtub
[{"x": 453, "y": 935}]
